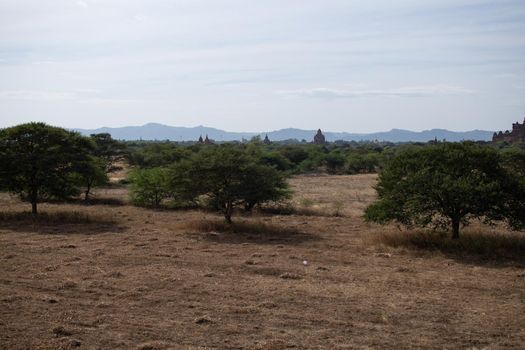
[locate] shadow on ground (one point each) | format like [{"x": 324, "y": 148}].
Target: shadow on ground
[
  {"x": 58, "y": 222},
  {"x": 473, "y": 248},
  {"x": 91, "y": 201},
  {"x": 248, "y": 232}
]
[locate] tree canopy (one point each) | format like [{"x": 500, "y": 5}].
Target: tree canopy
[
  {"x": 104, "y": 155},
  {"x": 229, "y": 177},
  {"x": 108, "y": 150},
  {"x": 39, "y": 161},
  {"x": 448, "y": 185}
]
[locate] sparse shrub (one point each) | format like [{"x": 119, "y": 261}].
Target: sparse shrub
[
  {"x": 279, "y": 208},
  {"x": 305, "y": 208},
  {"x": 306, "y": 202},
  {"x": 338, "y": 208}
]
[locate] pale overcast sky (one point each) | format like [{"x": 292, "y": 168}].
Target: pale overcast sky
[{"x": 253, "y": 65}]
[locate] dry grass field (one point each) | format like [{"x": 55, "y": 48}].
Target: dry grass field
[{"x": 119, "y": 277}]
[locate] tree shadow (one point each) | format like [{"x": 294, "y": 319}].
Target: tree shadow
[
  {"x": 472, "y": 248},
  {"x": 58, "y": 222},
  {"x": 240, "y": 232},
  {"x": 91, "y": 201}
]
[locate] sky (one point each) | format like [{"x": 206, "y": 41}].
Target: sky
[{"x": 252, "y": 65}]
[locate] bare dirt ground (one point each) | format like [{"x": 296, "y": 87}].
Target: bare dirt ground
[{"x": 147, "y": 280}]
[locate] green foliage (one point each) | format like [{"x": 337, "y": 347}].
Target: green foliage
[
  {"x": 362, "y": 163},
  {"x": 91, "y": 173},
  {"x": 158, "y": 154},
  {"x": 292, "y": 158},
  {"x": 514, "y": 160},
  {"x": 229, "y": 177},
  {"x": 448, "y": 184},
  {"x": 102, "y": 161},
  {"x": 262, "y": 183},
  {"x": 276, "y": 160},
  {"x": 294, "y": 154},
  {"x": 149, "y": 187},
  {"x": 108, "y": 150},
  {"x": 38, "y": 161},
  {"x": 335, "y": 162}
]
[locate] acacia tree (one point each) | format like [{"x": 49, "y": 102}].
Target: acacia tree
[
  {"x": 448, "y": 185},
  {"x": 229, "y": 177},
  {"x": 39, "y": 161}
]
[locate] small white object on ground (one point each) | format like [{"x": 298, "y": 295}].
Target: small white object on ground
[{"x": 305, "y": 262}]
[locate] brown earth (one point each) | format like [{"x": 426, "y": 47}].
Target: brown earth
[{"x": 132, "y": 278}]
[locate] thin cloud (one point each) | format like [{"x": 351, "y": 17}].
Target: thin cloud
[
  {"x": 219, "y": 61},
  {"x": 409, "y": 91},
  {"x": 36, "y": 95},
  {"x": 53, "y": 96},
  {"x": 81, "y": 3}
]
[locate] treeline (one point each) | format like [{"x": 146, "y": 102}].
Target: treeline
[
  {"x": 332, "y": 158},
  {"x": 40, "y": 162},
  {"x": 340, "y": 157}
]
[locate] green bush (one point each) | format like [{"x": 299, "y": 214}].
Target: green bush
[
  {"x": 335, "y": 162},
  {"x": 362, "y": 163},
  {"x": 149, "y": 187}
]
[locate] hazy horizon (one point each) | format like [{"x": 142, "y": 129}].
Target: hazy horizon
[
  {"x": 245, "y": 65},
  {"x": 289, "y": 127}
]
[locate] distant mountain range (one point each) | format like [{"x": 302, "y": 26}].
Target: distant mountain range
[{"x": 154, "y": 131}]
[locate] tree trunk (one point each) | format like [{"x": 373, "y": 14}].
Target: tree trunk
[
  {"x": 34, "y": 210},
  {"x": 455, "y": 228},
  {"x": 88, "y": 190},
  {"x": 228, "y": 212},
  {"x": 248, "y": 206}
]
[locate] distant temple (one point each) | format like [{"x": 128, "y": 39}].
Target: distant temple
[
  {"x": 266, "y": 140},
  {"x": 319, "y": 138},
  {"x": 517, "y": 135},
  {"x": 206, "y": 141}
]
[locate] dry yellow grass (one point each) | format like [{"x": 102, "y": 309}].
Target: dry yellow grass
[
  {"x": 177, "y": 280},
  {"x": 331, "y": 194}
]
